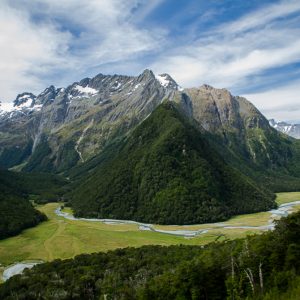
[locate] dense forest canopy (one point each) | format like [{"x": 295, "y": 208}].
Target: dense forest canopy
[
  {"x": 16, "y": 189},
  {"x": 166, "y": 172}
]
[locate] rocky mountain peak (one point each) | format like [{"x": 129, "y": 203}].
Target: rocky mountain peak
[
  {"x": 146, "y": 76},
  {"x": 24, "y": 100},
  {"x": 87, "y": 114},
  {"x": 206, "y": 87},
  {"x": 48, "y": 90},
  {"x": 217, "y": 110},
  {"x": 168, "y": 82}
]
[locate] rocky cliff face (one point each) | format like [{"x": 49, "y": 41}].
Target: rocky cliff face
[
  {"x": 238, "y": 124},
  {"x": 70, "y": 125},
  {"x": 292, "y": 130}
]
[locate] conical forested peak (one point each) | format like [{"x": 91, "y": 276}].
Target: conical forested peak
[{"x": 167, "y": 172}]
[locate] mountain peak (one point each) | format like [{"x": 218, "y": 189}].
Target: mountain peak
[
  {"x": 24, "y": 100},
  {"x": 148, "y": 72},
  {"x": 168, "y": 82},
  {"x": 146, "y": 75},
  {"x": 206, "y": 87},
  {"x": 292, "y": 130}
]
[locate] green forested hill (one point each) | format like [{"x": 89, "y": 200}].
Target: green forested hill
[
  {"x": 166, "y": 172},
  {"x": 258, "y": 267},
  {"x": 16, "y": 212}
]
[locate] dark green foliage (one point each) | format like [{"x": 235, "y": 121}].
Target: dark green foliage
[
  {"x": 67, "y": 157},
  {"x": 16, "y": 212},
  {"x": 215, "y": 271},
  {"x": 43, "y": 160},
  {"x": 39, "y": 160},
  {"x": 274, "y": 161},
  {"x": 166, "y": 172},
  {"x": 15, "y": 155},
  {"x": 41, "y": 187}
]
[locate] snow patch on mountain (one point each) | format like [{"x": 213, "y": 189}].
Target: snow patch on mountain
[
  {"x": 137, "y": 86},
  {"x": 292, "y": 130},
  {"x": 168, "y": 82},
  {"x": 85, "y": 90},
  {"x": 6, "y": 107},
  {"x": 23, "y": 103}
]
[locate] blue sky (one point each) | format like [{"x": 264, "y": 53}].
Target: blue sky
[{"x": 251, "y": 48}]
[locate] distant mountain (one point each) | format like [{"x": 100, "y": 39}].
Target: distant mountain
[
  {"x": 166, "y": 172},
  {"x": 292, "y": 130}
]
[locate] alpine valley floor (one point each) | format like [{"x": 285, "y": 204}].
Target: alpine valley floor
[{"x": 64, "y": 238}]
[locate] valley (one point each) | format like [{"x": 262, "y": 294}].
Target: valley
[
  {"x": 61, "y": 238},
  {"x": 150, "y": 150}
]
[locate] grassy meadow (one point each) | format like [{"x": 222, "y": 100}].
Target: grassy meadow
[{"x": 62, "y": 238}]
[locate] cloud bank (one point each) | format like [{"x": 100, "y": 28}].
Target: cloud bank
[{"x": 55, "y": 40}]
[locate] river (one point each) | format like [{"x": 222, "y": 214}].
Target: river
[
  {"x": 18, "y": 268},
  {"x": 281, "y": 211}
]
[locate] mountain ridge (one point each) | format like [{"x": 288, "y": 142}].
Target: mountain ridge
[
  {"x": 292, "y": 130},
  {"x": 120, "y": 100},
  {"x": 71, "y": 126}
]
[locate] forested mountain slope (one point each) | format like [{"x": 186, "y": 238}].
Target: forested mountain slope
[
  {"x": 16, "y": 212},
  {"x": 166, "y": 172}
]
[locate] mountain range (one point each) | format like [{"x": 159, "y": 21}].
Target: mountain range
[
  {"x": 292, "y": 130},
  {"x": 142, "y": 147}
]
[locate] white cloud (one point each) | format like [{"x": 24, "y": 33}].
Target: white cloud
[
  {"x": 26, "y": 49},
  {"x": 280, "y": 103},
  {"x": 233, "y": 53},
  {"x": 66, "y": 38},
  {"x": 262, "y": 16},
  {"x": 225, "y": 57}
]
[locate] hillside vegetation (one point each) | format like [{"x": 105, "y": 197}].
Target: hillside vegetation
[
  {"x": 166, "y": 172},
  {"x": 16, "y": 212}
]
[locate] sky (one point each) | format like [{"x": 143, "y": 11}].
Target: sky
[{"x": 251, "y": 48}]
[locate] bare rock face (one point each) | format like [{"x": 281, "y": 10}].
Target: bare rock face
[
  {"x": 70, "y": 125},
  {"x": 292, "y": 130},
  {"x": 62, "y": 127},
  {"x": 214, "y": 109},
  {"x": 239, "y": 124},
  {"x": 217, "y": 110}
]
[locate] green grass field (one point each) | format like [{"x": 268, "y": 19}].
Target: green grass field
[
  {"x": 287, "y": 197},
  {"x": 61, "y": 238}
]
